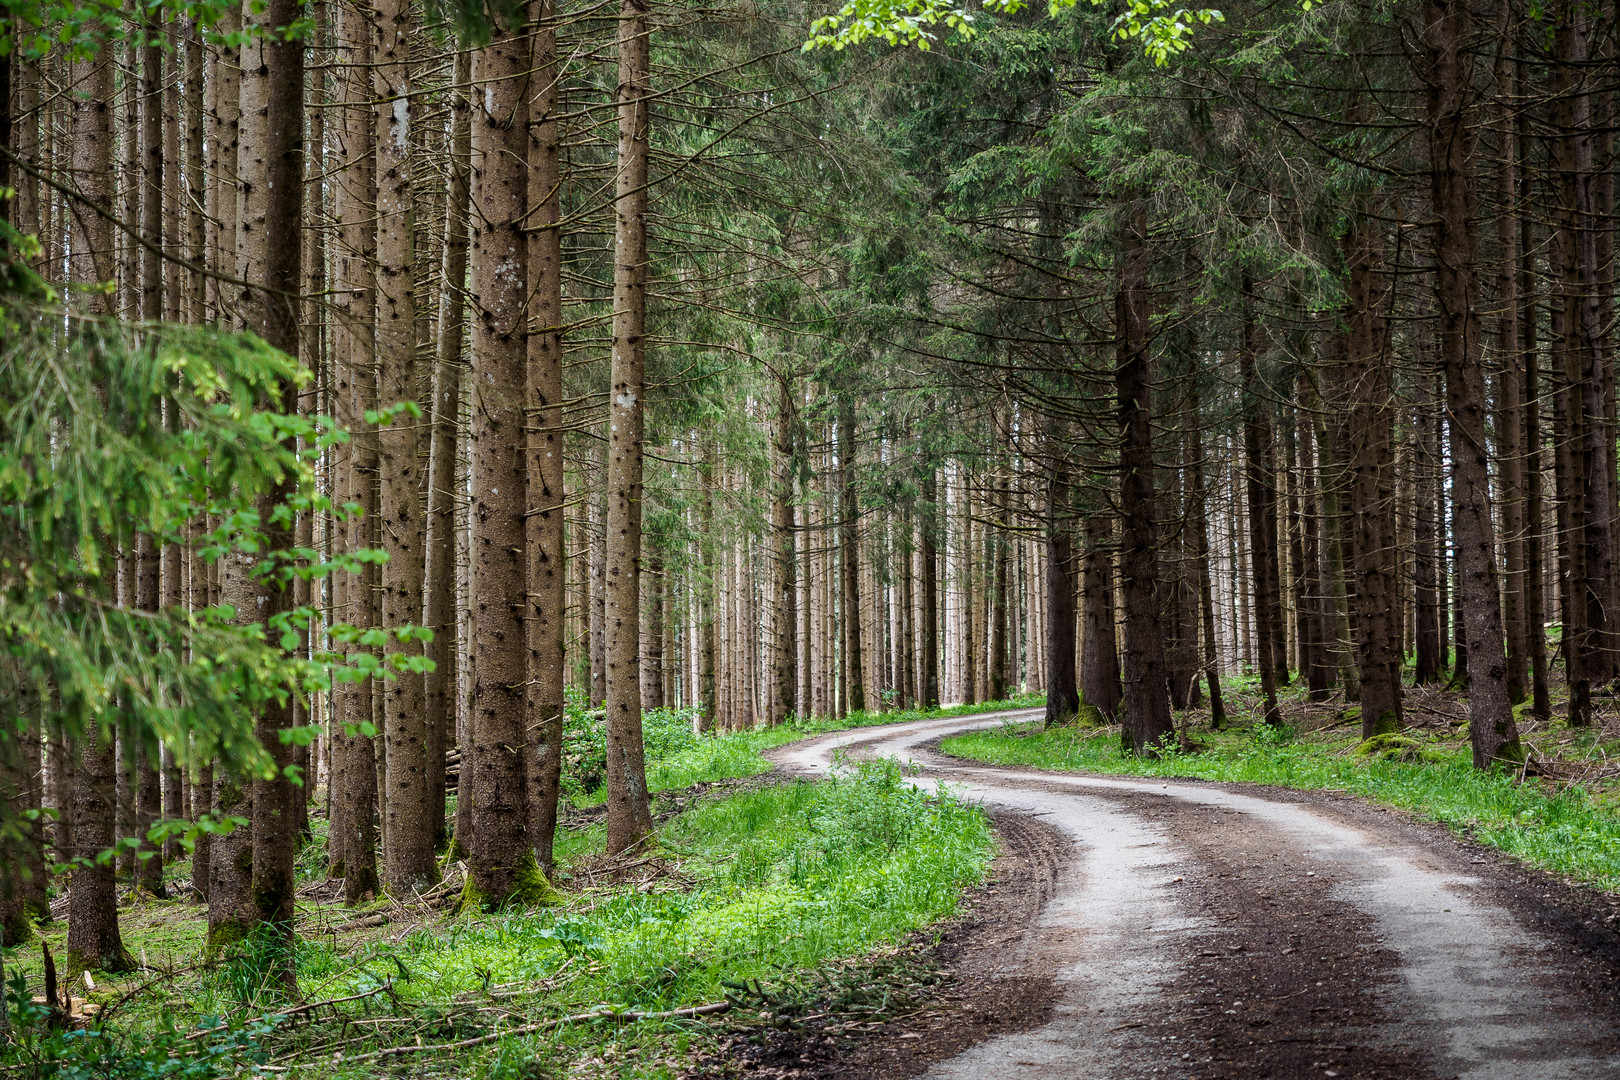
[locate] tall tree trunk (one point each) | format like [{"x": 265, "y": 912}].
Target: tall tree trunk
[
  {"x": 500, "y": 858},
  {"x": 1206, "y": 597},
  {"x": 1585, "y": 330},
  {"x": 270, "y": 172},
  {"x": 785, "y": 672},
  {"x": 1566, "y": 356},
  {"x": 1099, "y": 654},
  {"x": 595, "y": 496},
  {"x": 849, "y": 513},
  {"x": 22, "y": 873},
  {"x": 439, "y": 551},
  {"x": 1535, "y": 607},
  {"x": 1062, "y": 688},
  {"x": 1426, "y": 564},
  {"x": 352, "y": 831},
  {"x": 928, "y": 677},
  {"x": 408, "y": 855},
  {"x": 1001, "y": 544},
  {"x": 1305, "y": 637},
  {"x": 150, "y": 254},
  {"x": 547, "y": 580},
  {"x": 629, "y": 818},
  {"x": 93, "y": 254},
  {"x": 872, "y": 626},
  {"x": 1337, "y": 484},
  {"x": 196, "y": 177},
  {"x": 1510, "y": 383},
  {"x": 1261, "y": 492},
  {"x": 907, "y": 556},
  {"x": 1491, "y": 728},
  {"x": 174, "y": 306},
  {"x": 652, "y": 608},
  {"x": 1319, "y": 676},
  {"x": 1363, "y": 432},
  {"x": 970, "y": 584},
  {"x": 709, "y": 591},
  {"x": 1146, "y": 703},
  {"x": 223, "y": 82},
  {"x": 93, "y": 938},
  {"x": 147, "y": 802}
]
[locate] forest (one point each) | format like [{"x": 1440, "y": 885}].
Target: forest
[{"x": 448, "y": 449}]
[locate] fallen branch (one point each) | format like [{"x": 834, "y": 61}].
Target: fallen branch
[
  {"x": 297, "y": 1010},
  {"x": 544, "y": 1025}
]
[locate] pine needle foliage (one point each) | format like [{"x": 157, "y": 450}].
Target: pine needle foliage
[{"x": 113, "y": 431}]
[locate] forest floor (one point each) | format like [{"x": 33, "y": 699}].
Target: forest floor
[
  {"x": 1126, "y": 927},
  {"x": 758, "y": 898},
  {"x": 1165, "y": 928}
]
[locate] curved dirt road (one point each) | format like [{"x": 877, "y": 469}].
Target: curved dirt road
[{"x": 1194, "y": 930}]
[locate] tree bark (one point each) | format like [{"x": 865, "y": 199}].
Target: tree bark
[
  {"x": 1000, "y": 543},
  {"x": 1364, "y": 434},
  {"x": 1262, "y": 493},
  {"x": 906, "y": 561},
  {"x": 1099, "y": 654},
  {"x": 439, "y": 554},
  {"x": 596, "y": 489},
  {"x": 543, "y": 520},
  {"x": 1491, "y": 728},
  {"x": 270, "y": 174},
  {"x": 151, "y": 176},
  {"x": 1062, "y": 689},
  {"x": 408, "y": 856},
  {"x": 709, "y": 588},
  {"x": 146, "y": 801},
  {"x": 93, "y": 254},
  {"x": 196, "y": 177},
  {"x": 785, "y": 671},
  {"x": 500, "y": 857},
  {"x": 928, "y": 678},
  {"x": 971, "y": 612},
  {"x": 1585, "y": 330},
  {"x": 849, "y": 513},
  {"x": 1319, "y": 675},
  {"x": 224, "y": 80},
  {"x": 1426, "y": 565},
  {"x": 93, "y": 939},
  {"x": 1206, "y": 598},
  {"x": 1510, "y": 383},
  {"x": 1535, "y": 607},
  {"x": 629, "y": 818},
  {"x": 1146, "y": 721}
]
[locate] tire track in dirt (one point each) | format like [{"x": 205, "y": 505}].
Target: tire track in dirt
[{"x": 1224, "y": 931}]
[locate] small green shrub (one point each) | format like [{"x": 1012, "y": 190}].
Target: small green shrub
[{"x": 40, "y": 1050}]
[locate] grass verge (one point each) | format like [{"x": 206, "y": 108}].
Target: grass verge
[
  {"x": 743, "y": 898},
  {"x": 1564, "y": 828}
]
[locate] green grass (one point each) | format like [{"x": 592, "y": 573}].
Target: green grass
[
  {"x": 769, "y": 882},
  {"x": 1569, "y": 831},
  {"x": 765, "y": 888}
]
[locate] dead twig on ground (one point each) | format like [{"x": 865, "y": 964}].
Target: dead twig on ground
[
  {"x": 545, "y": 1025},
  {"x": 387, "y": 987}
]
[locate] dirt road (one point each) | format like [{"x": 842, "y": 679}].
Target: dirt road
[{"x": 1197, "y": 930}]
